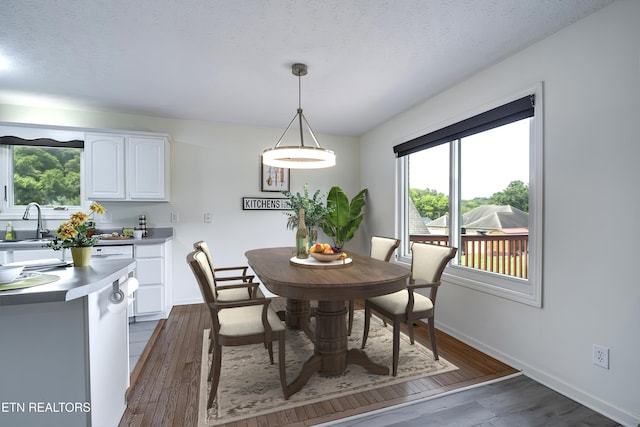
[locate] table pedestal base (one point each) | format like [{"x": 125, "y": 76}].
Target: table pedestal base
[
  {"x": 297, "y": 313},
  {"x": 331, "y": 353}
]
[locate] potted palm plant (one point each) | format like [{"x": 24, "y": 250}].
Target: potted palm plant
[{"x": 343, "y": 217}]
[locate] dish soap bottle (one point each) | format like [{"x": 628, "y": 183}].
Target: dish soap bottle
[
  {"x": 8, "y": 234},
  {"x": 302, "y": 238}
]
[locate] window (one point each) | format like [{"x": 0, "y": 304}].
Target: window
[
  {"x": 476, "y": 185},
  {"x": 40, "y": 170}
]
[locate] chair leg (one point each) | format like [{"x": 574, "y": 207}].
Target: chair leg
[
  {"x": 367, "y": 320},
  {"x": 282, "y": 368},
  {"x": 396, "y": 346},
  {"x": 212, "y": 350},
  {"x": 210, "y": 340},
  {"x": 215, "y": 370},
  {"x": 351, "y": 309},
  {"x": 270, "y": 348},
  {"x": 410, "y": 330},
  {"x": 432, "y": 337}
]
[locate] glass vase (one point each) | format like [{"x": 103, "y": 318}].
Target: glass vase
[{"x": 313, "y": 236}]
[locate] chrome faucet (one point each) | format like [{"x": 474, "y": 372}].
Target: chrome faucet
[{"x": 40, "y": 232}]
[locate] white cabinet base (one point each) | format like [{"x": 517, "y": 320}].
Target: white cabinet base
[
  {"x": 153, "y": 297},
  {"x": 65, "y": 363}
]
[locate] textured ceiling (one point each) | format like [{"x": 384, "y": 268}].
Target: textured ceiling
[{"x": 230, "y": 60}]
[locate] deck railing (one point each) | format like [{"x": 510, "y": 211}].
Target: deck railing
[{"x": 499, "y": 253}]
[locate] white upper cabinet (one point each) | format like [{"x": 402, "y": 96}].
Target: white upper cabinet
[
  {"x": 147, "y": 168},
  {"x": 127, "y": 167},
  {"x": 105, "y": 167}
]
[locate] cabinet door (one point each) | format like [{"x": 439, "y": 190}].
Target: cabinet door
[
  {"x": 147, "y": 168},
  {"x": 104, "y": 166},
  {"x": 149, "y": 300},
  {"x": 149, "y": 270},
  {"x": 150, "y": 273}
]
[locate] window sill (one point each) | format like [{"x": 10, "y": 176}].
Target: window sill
[
  {"x": 16, "y": 215},
  {"x": 517, "y": 290}
]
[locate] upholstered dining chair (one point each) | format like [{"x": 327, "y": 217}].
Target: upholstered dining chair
[
  {"x": 235, "y": 287},
  {"x": 381, "y": 248},
  {"x": 237, "y": 323},
  {"x": 406, "y": 306}
]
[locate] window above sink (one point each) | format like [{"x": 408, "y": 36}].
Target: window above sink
[{"x": 42, "y": 165}]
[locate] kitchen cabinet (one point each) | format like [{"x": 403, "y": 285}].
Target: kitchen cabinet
[
  {"x": 65, "y": 349},
  {"x": 104, "y": 166},
  {"x": 153, "y": 298},
  {"x": 147, "y": 168},
  {"x": 127, "y": 166}
]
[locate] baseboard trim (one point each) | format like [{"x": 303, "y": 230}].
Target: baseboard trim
[{"x": 616, "y": 414}]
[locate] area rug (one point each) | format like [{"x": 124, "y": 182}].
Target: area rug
[{"x": 250, "y": 386}]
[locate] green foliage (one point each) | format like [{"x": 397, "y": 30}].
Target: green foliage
[
  {"x": 344, "y": 217},
  {"x": 46, "y": 175},
  {"x": 516, "y": 194},
  {"x": 314, "y": 208},
  {"x": 432, "y": 204}
]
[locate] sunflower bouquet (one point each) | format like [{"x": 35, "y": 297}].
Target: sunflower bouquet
[{"x": 76, "y": 233}]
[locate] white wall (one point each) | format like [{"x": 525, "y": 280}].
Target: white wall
[
  {"x": 591, "y": 73},
  {"x": 212, "y": 167},
  {"x": 591, "y": 292}
]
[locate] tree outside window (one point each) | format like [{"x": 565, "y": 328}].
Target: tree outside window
[{"x": 49, "y": 176}]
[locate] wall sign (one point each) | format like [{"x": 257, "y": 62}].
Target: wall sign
[{"x": 265, "y": 204}]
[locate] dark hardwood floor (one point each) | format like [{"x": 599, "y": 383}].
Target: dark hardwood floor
[
  {"x": 166, "y": 390},
  {"x": 515, "y": 401}
]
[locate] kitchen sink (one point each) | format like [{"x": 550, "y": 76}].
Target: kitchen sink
[{"x": 42, "y": 240}]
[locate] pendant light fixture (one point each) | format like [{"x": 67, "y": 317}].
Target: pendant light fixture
[{"x": 299, "y": 156}]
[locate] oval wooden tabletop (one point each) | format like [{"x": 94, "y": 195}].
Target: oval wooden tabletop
[{"x": 365, "y": 277}]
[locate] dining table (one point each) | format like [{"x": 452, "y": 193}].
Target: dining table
[{"x": 329, "y": 284}]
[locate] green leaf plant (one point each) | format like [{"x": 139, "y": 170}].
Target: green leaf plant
[
  {"x": 314, "y": 208},
  {"x": 343, "y": 217}
]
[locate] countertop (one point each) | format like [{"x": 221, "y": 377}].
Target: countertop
[
  {"x": 74, "y": 283},
  {"x": 155, "y": 236}
]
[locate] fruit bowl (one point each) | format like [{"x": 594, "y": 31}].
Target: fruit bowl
[
  {"x": 10, "y": 273},
  {"x": 325, "y": 257}
]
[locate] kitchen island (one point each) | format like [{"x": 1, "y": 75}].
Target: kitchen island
[{"x": 64, "y": 348}]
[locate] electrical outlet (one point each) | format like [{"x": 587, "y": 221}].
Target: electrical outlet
[
  {"x": 600, "y": 356},
  {"x": 208, "y": 218},
  {"x": 174, "y": 217}
]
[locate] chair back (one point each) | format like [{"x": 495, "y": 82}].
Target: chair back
[
  {"x": 382, "y": 247},
  {"x": 203, "y": 247},
  {"x": 428, "y": 261},
  {"x": 199, "y": 264}
]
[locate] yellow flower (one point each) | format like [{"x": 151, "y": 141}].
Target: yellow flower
[
  {"x": 79, "y": 218},
  {"x": 97, "y": 208},
  {"x": 67, "y": 231},
  {"x": 75, "y": 232}
]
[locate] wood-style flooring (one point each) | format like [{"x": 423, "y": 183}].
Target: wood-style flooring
[
  {"x": 516, "y": 401},
  {"x": 166, "y": 390}
]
